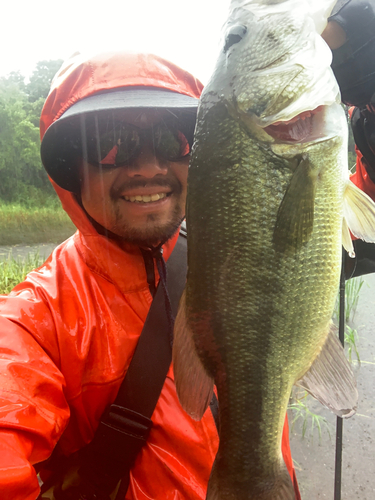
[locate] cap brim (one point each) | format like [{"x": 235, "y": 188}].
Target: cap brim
[{"x": 129, "y": 98}]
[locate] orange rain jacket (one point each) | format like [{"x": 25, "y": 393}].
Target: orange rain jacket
[{"x": 68, "y": 332}]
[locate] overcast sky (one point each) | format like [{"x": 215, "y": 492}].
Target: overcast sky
[{"x": 187, "y": 33}]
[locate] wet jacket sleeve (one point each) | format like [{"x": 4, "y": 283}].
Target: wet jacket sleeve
[{"x": 33, "y": 409}]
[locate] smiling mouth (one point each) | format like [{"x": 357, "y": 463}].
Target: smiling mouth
[{"x": 146, "y": 198}]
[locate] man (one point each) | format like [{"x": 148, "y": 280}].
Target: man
[{"x": 116, "y": 135}]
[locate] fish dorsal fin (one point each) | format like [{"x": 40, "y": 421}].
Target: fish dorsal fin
[
  {"x": 194, "y": 386},
  {"x": 359, "y": 213},
  {"x": 295, "y": 217},
  {"x": 330, "y": 378}
]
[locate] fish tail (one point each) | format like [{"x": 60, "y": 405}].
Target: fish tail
[{"x": 278, "y": 487}]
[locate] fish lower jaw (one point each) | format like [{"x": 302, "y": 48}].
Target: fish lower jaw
[
  {"x": 297, "y": 129},
  {"x": 145, "y": 198}
]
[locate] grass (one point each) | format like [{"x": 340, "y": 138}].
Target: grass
[
  {"x": 352, "y": 289},
  {"x": 13, "y": 271},
  {"x": 49, "y": 224},
  {"x": 351, "y": 338},
  {"x": 309, "y": 420}
]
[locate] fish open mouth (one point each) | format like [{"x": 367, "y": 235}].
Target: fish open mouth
[{"x": 298, "y": 129}]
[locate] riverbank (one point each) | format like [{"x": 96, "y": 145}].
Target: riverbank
[{"x": 20, "y": 225}]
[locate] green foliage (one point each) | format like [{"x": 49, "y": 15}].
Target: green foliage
[
  {"x": 308, "y": 419},
  {"x": 14, "y": 79},
  {"x": 352, "y": 289},
  {"x": 21, "y": 170},
  {"x": 40, "y": 80},
  {"x": 351, "y": 338},
  {"x": 35, "y": 224},
  {"x": 13, "y": 271}
]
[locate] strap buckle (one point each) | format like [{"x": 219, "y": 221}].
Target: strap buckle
[{"x": 127, "y": 421}]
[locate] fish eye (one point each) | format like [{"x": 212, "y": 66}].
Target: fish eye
[{"x": 234, "y": 35}]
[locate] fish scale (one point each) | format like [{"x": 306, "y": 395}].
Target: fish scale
[{"x": 238, "y": 351}]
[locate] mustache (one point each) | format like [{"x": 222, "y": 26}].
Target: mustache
[{"x": 171, "y": 183}]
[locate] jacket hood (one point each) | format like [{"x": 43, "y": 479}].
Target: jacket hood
[{"x": 81, "y": 77}]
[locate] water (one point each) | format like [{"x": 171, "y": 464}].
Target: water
[{"x": 21, "y": 251}]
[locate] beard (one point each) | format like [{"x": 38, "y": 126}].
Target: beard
[
  {"x": 118, "y": 222},
  {"x": 153, "y": 232},
  {"x": 155, "y": 229}
]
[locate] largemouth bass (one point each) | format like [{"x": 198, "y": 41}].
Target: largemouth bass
[{"x": 269, "y": 205}]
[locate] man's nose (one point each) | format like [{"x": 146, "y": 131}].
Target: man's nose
[{"x": 147, "y": 164}]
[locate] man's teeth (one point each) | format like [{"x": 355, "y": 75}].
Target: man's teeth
[{"x": 145, "y": 198}]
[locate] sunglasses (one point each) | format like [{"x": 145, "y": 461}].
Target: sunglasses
[{"x": 111, "y": 144}]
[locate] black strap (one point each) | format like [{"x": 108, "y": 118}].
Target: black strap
[
  {"x": 125, "y": 426},
  {"x": 141, "y": 387}
]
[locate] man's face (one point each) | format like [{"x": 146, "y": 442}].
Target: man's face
[{"x": 142, "y": 201}]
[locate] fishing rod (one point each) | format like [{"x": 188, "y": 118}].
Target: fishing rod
[{"x": 339, "y": 420}]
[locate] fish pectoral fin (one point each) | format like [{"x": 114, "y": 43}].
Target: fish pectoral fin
[
  {"x": 330, "y": 378},
  {"x": 359, "y": 213},
  {"x": 295, "y": 217},
  {"x": 347, "y": 241},
  {"x": 194, "y": 386}
]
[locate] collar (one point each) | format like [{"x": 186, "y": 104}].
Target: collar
[{"x": 124, "y": 266}]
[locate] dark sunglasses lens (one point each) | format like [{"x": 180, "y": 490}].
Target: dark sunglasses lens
[
  {"x": 170, "y": 143},
  {"x": 112, "y": 145},
  {"x": 128, "y": 143}
]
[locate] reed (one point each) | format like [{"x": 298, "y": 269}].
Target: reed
[
  {"x": 13, "y": 271},
  {"x": 48, "y": 224}
]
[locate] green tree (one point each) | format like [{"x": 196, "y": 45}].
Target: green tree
[
  {"x": 14, "y": 79},
  {"x": 19, "y": 146},
  {"x": 22, "y": 176},
  {"x": 40, "y": 80}
]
